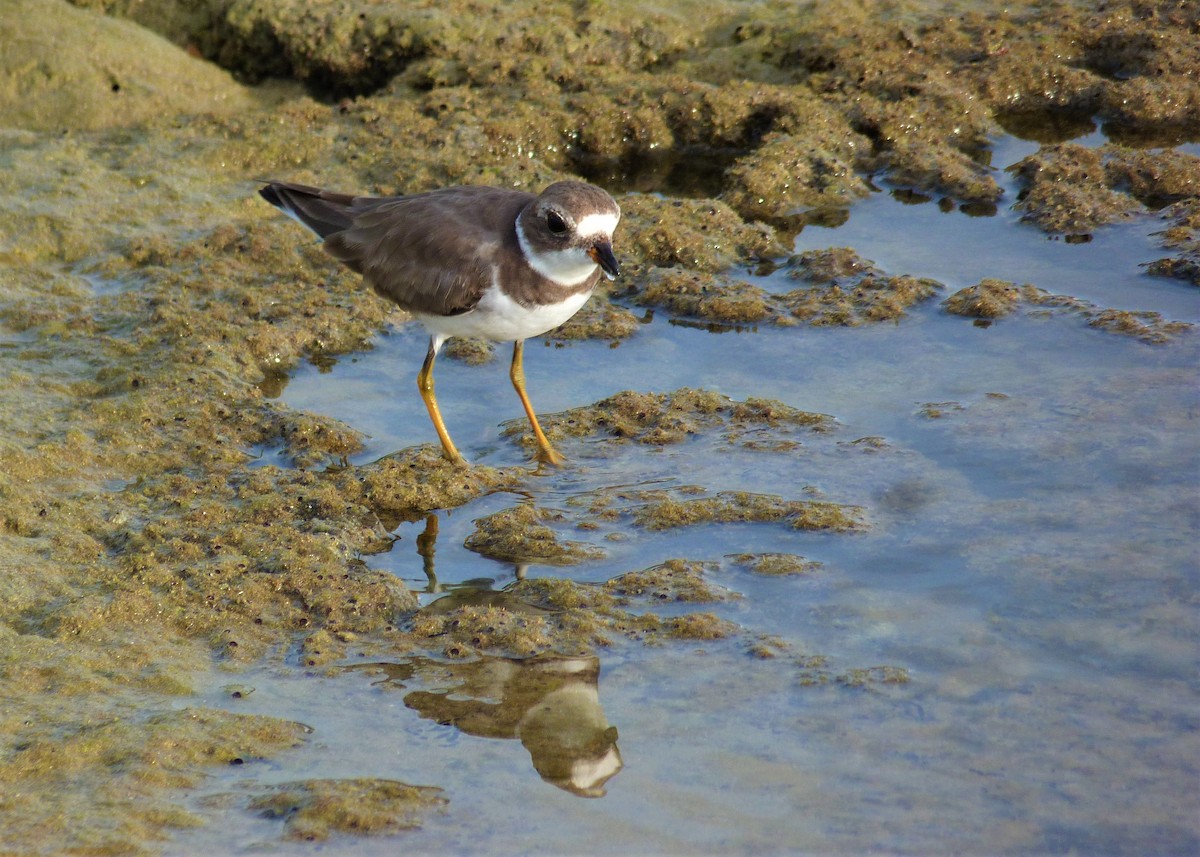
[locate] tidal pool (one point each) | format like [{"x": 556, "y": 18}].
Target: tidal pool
[{"x": 1004, "y": 660}]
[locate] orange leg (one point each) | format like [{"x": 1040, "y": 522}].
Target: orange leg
[
  {"x": 425, "y": 385},
  {"x": 546, "y": 453}
]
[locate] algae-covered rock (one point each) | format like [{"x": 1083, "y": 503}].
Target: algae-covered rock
[
  {"x": 520, "y": 535},
  {"x": 848, "y": 291},
  {"x": 414, "y": 482},
  {"x": 712, "y": 297},
  {"x": 992, "y": 299},
  {"x": 600, "y": 318},
  {"x": 672, "y": 580},
  {"x": 97, "y": 785},
  {"x": 790, "y": 172},
  {"x": 671, "y": 418},
  {"x": 663, "y": 510},
  {"x": 840, "y": 289},
  {"x": 67, "y": 68},
  {"x": 988, "y": 299},
  {"x": 776, "y": 564},
  {"x": 1064, "y": 190},
  {"x": 700, "y": 235},
  {"x": 313, "y": 810},
  {"x": 1182, "y": 236}
]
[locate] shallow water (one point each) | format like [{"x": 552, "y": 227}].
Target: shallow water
[{"x": 1031, "y": 563}]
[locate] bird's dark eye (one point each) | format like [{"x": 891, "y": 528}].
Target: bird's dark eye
[{"x": 555, "y": 223}]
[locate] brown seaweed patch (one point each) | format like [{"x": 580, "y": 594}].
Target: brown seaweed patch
[
  {"x": 843, "y": 289},
  {"x": 533, "y": 616},
  {"x": 789, "y": 172},
  {"x": 416, "y": 481},
  {"x": 600, "y": 318},
  {"x": 849, "y": 290},
  {"x": 1073, "y": 189},
  {"x": 504, "y": 624},
  {"x": 672, "y": 580},
  {"x": 520, "y": 535},
  {"x": 932, "y": 164},
  {"x": 95, "y": 786},
  {"x": 700, "y": 626},
  {"x": 1183, "y": 236},
  {"x": 547, "y": 614},
  {"x": 713, "y": 297},
  {"x": 768, "y": 646},
  {"x": 987, "y": 299},
  {"x": 322, "y": 647},
  {"x": 473, "y": 352},
  {"x": 66, "y": 67},
  {"x": 937, "y": 410},
  {"x": 991, "y": 299},
  {"x": 776, "y": 564},
  {"x": 701, "y": 235},
  {"x": 662, "y": 510},
  {"x": 309, "y": 440},
  {"x": 1185, "y": 267},
  {"x": 313, "y": 810},
  {"x": 671, "y": 418},
  {"x": 216, "y": 561},
  {"x": 1147, "y": 326}
]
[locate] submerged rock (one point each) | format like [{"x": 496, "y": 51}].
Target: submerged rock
[{"x": 313, "y": 810}]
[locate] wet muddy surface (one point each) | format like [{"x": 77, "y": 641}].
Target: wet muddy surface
[{"x": 878, "y": 528}]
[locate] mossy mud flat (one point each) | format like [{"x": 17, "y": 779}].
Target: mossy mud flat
[{"x": 151, "y": 308}]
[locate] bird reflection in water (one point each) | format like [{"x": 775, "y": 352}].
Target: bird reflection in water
[{"x": 551, "y": 703}]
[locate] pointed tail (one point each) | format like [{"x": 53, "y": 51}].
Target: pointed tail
[{"x": 322, "y": 211}]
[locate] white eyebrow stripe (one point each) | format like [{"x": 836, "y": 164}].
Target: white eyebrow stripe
[{"x": 603, "y": 223}]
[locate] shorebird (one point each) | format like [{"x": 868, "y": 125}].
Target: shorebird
[{"x": 496, "y": 263}]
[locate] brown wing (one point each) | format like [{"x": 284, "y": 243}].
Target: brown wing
[{"x": 432, "y": 252}]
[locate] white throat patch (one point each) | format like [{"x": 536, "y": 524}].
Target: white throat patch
[{"x": 567, "y": 268}]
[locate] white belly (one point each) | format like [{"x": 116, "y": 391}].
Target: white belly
[{"x": 501, "y": 319}]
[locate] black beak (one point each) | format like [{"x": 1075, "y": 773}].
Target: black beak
[{"x": 602, "y": 254}]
